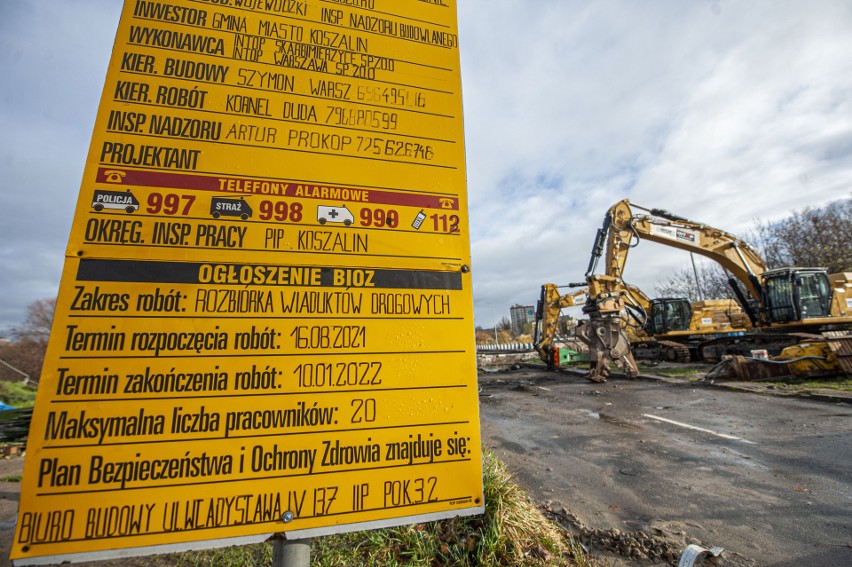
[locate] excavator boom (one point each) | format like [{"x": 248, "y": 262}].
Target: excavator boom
[{"x": 622, "y": 229}]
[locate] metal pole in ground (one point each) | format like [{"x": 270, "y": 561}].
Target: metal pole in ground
[
  {"x": 291, "y": 553},
  {"x": 697, "y": 280}
]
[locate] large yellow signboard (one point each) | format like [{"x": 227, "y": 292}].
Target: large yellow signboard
[{"x": 265, "y": 317}]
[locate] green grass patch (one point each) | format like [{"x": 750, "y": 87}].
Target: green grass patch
[
  {"x": 11, "y": 478},
  {"x": 16, "y": 394},
  {"x": 256, "y": 555},
  {"x": 511, "y": 532},
  {"x": 674, "y": 372},
  {"x": 839, "y": 383}
]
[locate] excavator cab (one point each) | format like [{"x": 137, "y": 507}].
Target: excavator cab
[
  {"x": 795, "y": 294},
  {"x": 668, "y": 315}
]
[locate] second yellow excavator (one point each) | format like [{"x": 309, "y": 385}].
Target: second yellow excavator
[
  {"x": 671, "y": 329},
  {"x": 547, "y": 313}
]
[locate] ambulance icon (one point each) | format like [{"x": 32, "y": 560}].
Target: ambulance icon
[{"x": 334, "y": 214}]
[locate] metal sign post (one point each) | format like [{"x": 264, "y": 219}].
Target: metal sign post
[{"x": 291, "y": 553}]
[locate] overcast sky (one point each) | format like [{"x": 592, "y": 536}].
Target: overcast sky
[{"x": 722, "y": 111}]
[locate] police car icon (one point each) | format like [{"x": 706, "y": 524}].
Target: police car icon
[
  {"x": 339, "y": 214},
  {"x": 116, "y": 200}
]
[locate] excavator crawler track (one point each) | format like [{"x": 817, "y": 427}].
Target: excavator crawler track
[
  {"x": 661, "y": 350},
  {"x": 773, "y": 343}
]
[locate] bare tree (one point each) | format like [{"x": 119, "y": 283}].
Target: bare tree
[
  {"x": 765, "y": 240},
  {"x": 484, "y": 336},
  {"x": 37, "y": 324},
  {"x": 808, "y": 238},
  {"x": 505, "y": 336},
  {"x": 712, "y": 283},
  {"x": 29, "y": 341}
]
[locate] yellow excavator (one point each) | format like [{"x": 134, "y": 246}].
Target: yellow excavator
[
  {"x": 788, "y": 307},
  {"x": 669, "y": 329}
]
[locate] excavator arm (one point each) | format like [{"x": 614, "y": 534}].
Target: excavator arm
[
  {"x": 547, "y": 313},
  {"x": 622, "y": 228}
]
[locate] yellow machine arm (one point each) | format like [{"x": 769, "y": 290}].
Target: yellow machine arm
[
  {"x": 547, "y": 318},
  {"x": 622, "y": 228}
]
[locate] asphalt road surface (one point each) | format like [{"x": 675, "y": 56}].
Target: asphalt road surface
[{"x": 767, "y": 478}]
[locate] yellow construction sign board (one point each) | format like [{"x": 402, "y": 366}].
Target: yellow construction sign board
[{"x": 265, "y": 319}]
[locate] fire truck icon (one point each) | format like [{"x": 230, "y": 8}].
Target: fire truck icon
[
  {"x": 334, "y": 214},
  {"x": 224, "y": 207}
]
